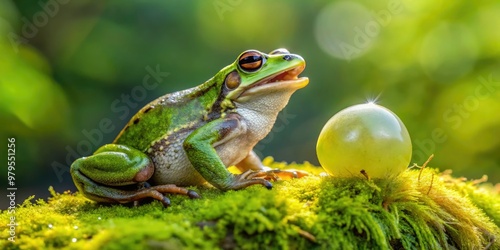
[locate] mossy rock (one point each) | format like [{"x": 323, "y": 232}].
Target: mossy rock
[{"x": 415, "y": 210}]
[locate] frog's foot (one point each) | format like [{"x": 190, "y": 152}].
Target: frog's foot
[
  {"x": 252, "y": 161},
  {"x": 287, "y": 174},
  {"x": 158, "y": 193},
  {"x": 114, "y": 195},
  {"x": 248, "y": 178},
  {"x": 279, "y": 174},
  {"x": 173, "y": 189}
]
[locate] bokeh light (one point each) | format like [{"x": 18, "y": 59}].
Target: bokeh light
[
  {"x": 449, "y": 51},
  {"x": 345, "y": 30}
]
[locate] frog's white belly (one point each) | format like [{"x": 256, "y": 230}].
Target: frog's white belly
[
  {"x": 173, "y": 167},
  {"x": 171, "y": 163}
]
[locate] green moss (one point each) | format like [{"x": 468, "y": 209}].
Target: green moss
[{"x": 414, "y": 210}]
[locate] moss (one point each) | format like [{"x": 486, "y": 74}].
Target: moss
[{"x": 415, "y": 210}]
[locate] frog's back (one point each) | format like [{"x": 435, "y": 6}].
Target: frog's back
[{"x": 183, "y": 110}]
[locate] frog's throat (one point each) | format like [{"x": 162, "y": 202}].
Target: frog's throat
[{"x": 273, "y": 87}]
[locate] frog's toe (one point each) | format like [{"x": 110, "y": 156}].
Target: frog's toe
[
  {"x": 165, "y": 201},
  {"x": 268, "y": 185},
  {"x": 268, "y": 175},
  {"x": 193, "y": 195},
  {"x": 245, "y": 183},
  {"x": 173, "y": 189},
  {"x": 279, "y": 174},
  {"x": 249, "y": 178},
  {"x": 275, "y": 174}
]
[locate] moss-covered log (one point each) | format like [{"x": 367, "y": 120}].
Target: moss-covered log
[{"x": 416, "y": 210}]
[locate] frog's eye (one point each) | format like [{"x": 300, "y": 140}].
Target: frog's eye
[
  {"x": 251, "y": 61},
  {"x": 233, "y": 80},
  {"x": 279, "y": 52}
]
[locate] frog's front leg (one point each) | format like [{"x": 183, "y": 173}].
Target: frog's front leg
[
  {"x": 201, "y": 152},
  {"x": 253, "y": 162},
  {"x": 114, "y": 174}
]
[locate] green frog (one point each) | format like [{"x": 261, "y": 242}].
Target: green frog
[{"x": 191, "y": 137}]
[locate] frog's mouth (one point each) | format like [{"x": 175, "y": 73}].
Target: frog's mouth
[{"x": 287, "y": 79}]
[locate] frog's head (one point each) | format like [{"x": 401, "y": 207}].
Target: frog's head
[{"x": 264, "y": 82}]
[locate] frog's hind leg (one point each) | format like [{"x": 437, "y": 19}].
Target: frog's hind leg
[
  {"x": 108, "y": 194},
  {"x": 118, "y": 174}
]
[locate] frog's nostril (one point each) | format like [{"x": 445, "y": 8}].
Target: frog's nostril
[{"x": 287, "y": 57}]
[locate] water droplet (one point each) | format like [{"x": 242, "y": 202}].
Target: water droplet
[
  {"x": 73, "y": 240},
  {"x": 50, "y": 226},
  {"x": 75, "y": 227}
]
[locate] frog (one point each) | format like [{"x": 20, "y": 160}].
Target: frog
[{"x": 191, "y": 137}]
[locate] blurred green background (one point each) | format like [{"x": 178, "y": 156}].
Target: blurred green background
[{"x": 68, "y": 67}]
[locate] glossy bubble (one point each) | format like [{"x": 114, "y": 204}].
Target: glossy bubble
[{"x": 365, "y": 137}]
